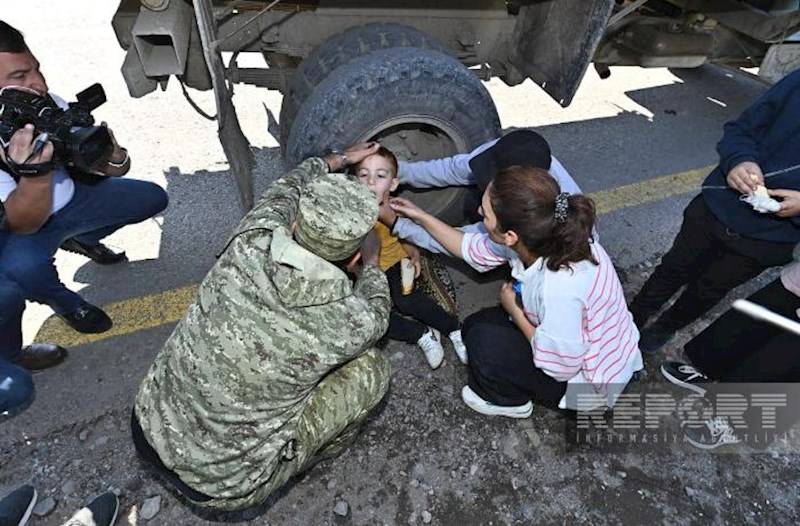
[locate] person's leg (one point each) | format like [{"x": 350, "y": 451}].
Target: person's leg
[
  {"x": 401, "y": 328},
  {"x": 501, "y": 369},
  {"x": 776, "y": 359},
  {"x": 732, "y": 346},
  {"x": 334, "y": 412},
  {"x": 16, "y": 386},
  {"x": 12, "y": 305},
  {"x": 691, "y": 251},
  {"x": 97, "y": 211},
  {"x": 741, "y": 260}
]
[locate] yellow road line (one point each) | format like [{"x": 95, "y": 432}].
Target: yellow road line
[{"x": 154, "y": 310}]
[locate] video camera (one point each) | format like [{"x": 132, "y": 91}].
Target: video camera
[{"x": 76, "y": 141}]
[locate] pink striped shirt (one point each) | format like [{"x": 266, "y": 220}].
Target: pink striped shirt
[{"x": 584, "y": 334}]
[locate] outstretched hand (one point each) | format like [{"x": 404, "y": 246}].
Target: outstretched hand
[
  {"x": 358, "y": 152},
  {"x": 406, "y": 208}
]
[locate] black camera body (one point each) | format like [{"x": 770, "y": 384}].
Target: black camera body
[{"x": 77, "y": 142}]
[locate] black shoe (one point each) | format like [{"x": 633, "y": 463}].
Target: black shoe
[
  {"x": 88, "y": 319},
  {"x": 40, "y": 356},
  {"x": 98, "y": 253},
  {"x": 684, "y": 375},
  {"x": 653, "y": 338},
  {"x": 16, "y": 507},
  {"x": 102, "y": 511}
]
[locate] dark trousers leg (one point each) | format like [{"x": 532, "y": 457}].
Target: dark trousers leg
[
  {"x": 12, "y": 305},
  {"x": 501, "y": 369},
  {"x": 739, "y": 348},
  {"x": 693, "y": 249},
  {"x": 423, "y": 309}
]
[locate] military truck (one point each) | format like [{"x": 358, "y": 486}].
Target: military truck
[{"x": 408, "y": 73}]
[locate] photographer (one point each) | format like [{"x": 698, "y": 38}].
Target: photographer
[{"x": 48, "y": 208}]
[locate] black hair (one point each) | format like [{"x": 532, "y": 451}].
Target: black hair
[{"x": 11, "y": 40}]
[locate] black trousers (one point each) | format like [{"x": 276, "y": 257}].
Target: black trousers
[
  {"x": 710, "y": 260},
  {"x": 738, "y": 348},
  {"x": 501, "y": 368},
  {"x": 413, "y": 314}
]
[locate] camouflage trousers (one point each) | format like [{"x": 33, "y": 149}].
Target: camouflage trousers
[{"x": 330, "y": 421}]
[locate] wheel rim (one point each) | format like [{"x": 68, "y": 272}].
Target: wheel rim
[{"x": 421, "y": 138}]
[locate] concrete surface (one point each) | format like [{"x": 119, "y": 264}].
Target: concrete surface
[{"x": 424, "y": 457}]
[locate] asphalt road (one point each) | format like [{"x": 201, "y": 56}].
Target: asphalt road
[{"x": 423, "y": 452}]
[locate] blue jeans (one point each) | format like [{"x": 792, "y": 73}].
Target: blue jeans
[
  {"x": 94, "y": 212},
  {"x": 16, "y": 385}
]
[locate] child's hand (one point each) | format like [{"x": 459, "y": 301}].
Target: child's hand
[
  {"x": 406, "y": 208},
  {"x": 508, "y": 298},
  {"x": 416, "y": 258}
]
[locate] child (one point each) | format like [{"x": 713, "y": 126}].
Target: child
[
  {"x": 426, "y": 319},
  {"x": 570, "y": 343}
]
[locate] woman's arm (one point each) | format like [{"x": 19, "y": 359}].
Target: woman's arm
[
  {"x": 508, "y": 299},
  {"x": 450, "y": 238}
]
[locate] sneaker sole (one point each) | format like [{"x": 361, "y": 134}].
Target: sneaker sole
[
  {"x": 680, "y": 383},
  {"x": 24, "y": 520},
  {"x": 707, "y": 447},
  {"x": 499, "y": 410}
]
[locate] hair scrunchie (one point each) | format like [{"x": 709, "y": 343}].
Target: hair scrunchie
[{"x": 562, "y": 206}]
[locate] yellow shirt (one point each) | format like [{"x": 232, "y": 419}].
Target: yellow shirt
[{"x": 391, "y": 249}]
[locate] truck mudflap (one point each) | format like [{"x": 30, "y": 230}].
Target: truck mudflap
[
  {"x": 554, "y": 42},
  {"x": 234, "y": 143}
]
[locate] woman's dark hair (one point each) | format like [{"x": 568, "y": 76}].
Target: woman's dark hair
[
  {"x": 11, "y": 40},
  {"x": 524, "y": 200}
]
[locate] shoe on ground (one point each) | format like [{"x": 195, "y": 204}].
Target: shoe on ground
[
  {"x": 431, "y": 345},
  {"x": 88, "y": 319},
  {"x": 38, "y": 356},
  {"x": 102, "y": 511},
  {"x": 476, "y": 403},
  {"x": 714, "y": 433},
  {"x": 458, "y": 346},
  {"x": 99, "y": 253},
  {"x": 16, "y": 507},
  {"x": 653, "y": 338},
  {"x": 684, "y": 375}
]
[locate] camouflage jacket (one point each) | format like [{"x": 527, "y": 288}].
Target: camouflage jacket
[{"x": 222, "y": 400}]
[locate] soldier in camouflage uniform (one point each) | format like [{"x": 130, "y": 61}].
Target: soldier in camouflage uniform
[{"x": 273, "y": 368}]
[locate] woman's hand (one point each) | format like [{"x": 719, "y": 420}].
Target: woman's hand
[
  {"x": 406, "y": 208},
  {"x": 790, "y": 202},
  {"x": 508, "y": 298},
  {"x": 416, "y": 257}
]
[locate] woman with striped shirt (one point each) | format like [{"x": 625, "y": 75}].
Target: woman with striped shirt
[{"x": 563, "y": 336}]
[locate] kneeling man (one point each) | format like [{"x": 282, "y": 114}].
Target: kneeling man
[{"x": 273, "y": 369}]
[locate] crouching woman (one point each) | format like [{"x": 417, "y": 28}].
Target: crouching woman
[{"x": 562, "y": 336}]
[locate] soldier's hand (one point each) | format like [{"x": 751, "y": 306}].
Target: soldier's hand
[
  {"x": 371, "y": 248},
  {"x": 20, "y": 148},
  {"x": 360, "y": 151},
  {"x": 745, "y": 177}
]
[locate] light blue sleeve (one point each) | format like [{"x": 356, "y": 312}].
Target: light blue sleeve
[
  {"x": 409, "y": 231},
  {"x": 440, "y": 173}
]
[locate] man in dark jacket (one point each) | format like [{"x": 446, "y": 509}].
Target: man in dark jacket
[{"x": 723, "y": 242}]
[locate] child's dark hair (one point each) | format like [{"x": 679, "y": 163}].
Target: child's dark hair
[
  {"x": 524, "y": 200},
  {"x": 387, "y": 154},
  {"x": 11, "y": 40}
]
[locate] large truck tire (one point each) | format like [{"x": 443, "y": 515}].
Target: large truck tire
[
  {"x": 420, "y": 103},
  {"x": 339, "y": 50}
]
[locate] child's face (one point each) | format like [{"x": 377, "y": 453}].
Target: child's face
[{"x": 378, "y": 174}]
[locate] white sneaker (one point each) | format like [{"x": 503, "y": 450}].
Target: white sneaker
[
  {"x": 716, "y": 432},
  {"x": 431, "y": 345},
  {"x": 458, "y": 346},
  {"x": 480, "y": 405}
]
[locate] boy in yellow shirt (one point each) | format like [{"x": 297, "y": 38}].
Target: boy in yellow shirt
[{"x": 416, "y": 318}]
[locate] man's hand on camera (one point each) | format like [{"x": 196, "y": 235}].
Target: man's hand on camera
[
  {"x": 117, "y": 163},
  {"x": 21, "y": 146}
]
